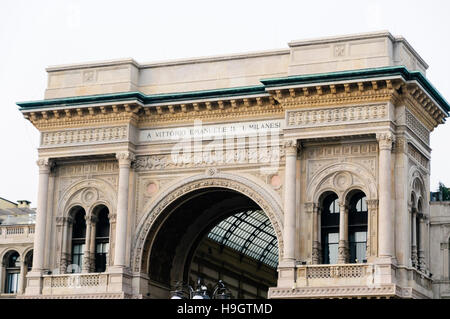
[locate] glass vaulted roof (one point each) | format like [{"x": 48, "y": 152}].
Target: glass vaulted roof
[{"x": 250, "y": 233}]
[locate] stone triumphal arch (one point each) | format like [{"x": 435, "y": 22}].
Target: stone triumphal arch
[{"x": 294, "y": 173}]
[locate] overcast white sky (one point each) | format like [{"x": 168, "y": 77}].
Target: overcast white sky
[{"x": 36, "y": 34}]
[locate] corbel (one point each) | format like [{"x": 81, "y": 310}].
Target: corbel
[
  {"x": 319, "y": 90},
  {"x": 374, "y": 85},
  {"x": 292, "y": 92}
]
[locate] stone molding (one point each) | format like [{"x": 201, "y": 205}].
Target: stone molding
[
  {"x": 256, "y": 192},
  {"x": 266, "y": 155},
  {"x": 356, "y": 177},
  {"x": 417, "y": 128},
  {"x": 84, "y": 136},
  {"x": 72, "y": 196},
  {"x": 336, "y": 115},
  {"x": 336, "y": 292},
  {"x": 339, "y": 93},
  {"x": 418, "y": 157}
]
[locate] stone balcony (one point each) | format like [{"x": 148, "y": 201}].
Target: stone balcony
[
  {"x": 67, "y": 284},
  {"x": 352, "y": 281},
  {"x": 110, "y": 285},
  {"x": 17, "y": 233}
]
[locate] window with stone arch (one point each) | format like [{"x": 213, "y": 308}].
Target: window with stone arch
[
  {"x": 12, "y": 261},
  {"x": 357, "y": 226},
  {"x": 102, "y": 229},
  {"x": 329, "y": 227},
  {"x": 78, "y": 238},
  {"x": 417, "y": 213},
  {"x": 418, "y": 228}
]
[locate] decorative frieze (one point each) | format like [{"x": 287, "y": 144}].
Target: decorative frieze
[
  {"x": 265, "y": 155},
  {"x": 420, "y": 130},
  {"x": 85, "y": 136},
  {"x": 86, "y": 169},
  {"x": 417, "y": 156},
  {"x": 340, "y": 115},
  {"x": 333, "y": 151}
]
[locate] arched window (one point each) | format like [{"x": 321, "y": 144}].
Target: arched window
[
  {"x": 101, "y": 238},
  {"x": 357, "y": 227},
  {"x": 330, "y": 228},
  {"x": 419, "y": 233},
  {"x": 12, "y": 263},
  {"x": 29, "y": 260},
  {"x": 78, "y": 239}
]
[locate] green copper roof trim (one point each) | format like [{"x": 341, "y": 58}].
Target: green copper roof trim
[
  {"x": 145, "y": 99},
  {"x": 360, "y": 74},
  {"x": 247, "y": 90}
]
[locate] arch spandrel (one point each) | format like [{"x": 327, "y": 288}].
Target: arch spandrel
[
  {"x": 88, "y": 194},
  {"x": 258, "y": 193},
  {"x": 416, "y": 185},
  {"x": 342, "y": 178}
]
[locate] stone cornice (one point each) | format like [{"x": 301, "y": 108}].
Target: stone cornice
[{"x": 394, "y": 84}]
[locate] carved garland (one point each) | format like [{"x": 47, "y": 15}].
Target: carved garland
[{"x": 269, "y": 205}]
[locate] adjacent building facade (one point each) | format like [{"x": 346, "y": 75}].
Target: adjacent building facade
[
  {"x": 319, "y": 155},
  {"x": 16, "y": 245}
]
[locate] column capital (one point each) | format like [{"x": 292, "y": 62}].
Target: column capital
[
  {"x": 64, "y": 220},
  {"x": 291, "y": 147},
  {"x": 343, "y": 206},
  {"x": 91, "y": 219},
  {"x": 311, "y": 207},
  {"x": 45, "y": 164},
  {"x": 401, "y": 144},
  {"x": 125, "y": 158},
  {"x": 385, "y": 140},
  {"x": 372, "y": 203},
  {"x": 112, "y": 217}
]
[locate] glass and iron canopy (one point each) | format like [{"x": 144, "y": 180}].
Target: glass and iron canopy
[{"x": 251, "y": 234}]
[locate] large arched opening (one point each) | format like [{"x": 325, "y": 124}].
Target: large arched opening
[{"x": 213, "y": 233}]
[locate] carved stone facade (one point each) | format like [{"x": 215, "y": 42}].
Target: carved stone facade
[{"x": 286, "y": 143}]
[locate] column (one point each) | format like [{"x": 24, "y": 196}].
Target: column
[
  {"x": 65, "y": 251},
  {"x": 21, "y": 276},
  {"x": 86, "y": 253},
  {"x": 343, "y": 234},
  {"x": 89, "y": 247},
  {"x": 2, "y": 277},
  {"x": 413, "y": 218},
  {"x": 386, "y": 227},
  {"x": 291, "y": 150},
  {"x": 94, "y": 220},
  {"x": 125, "y": 159},
  {"x": 41, "y": 214},
  {"x": 314, "y": 210},
  {"x": 422, "y": 244}
]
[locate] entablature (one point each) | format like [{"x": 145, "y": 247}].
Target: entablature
[{"x": 272, "y": 98}]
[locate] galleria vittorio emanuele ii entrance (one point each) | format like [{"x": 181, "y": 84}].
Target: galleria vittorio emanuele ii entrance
[
  {"x": 216, "y": 234},
  {"x": 294, "y": 173}
]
